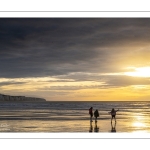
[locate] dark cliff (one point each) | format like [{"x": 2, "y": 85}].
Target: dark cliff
[{"x": 20, "y": 98}]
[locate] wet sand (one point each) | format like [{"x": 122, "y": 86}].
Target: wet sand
[
  {"x": 72, "y": 117},
  {"x": 72, "y": 126}
]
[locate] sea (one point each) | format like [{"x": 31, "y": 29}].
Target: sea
[{"x": 73, "y": 117}]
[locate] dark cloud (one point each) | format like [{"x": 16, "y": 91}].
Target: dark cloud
[
  {"x": 10, "y": 83},
  {"x": 123, "y": 81},
  {"x": 102, "y": 81},
  {"x": 36, "y": 47}
]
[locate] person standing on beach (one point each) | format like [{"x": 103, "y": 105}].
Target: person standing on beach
[
  {"x": 113, "y": 114},
  {"x": 96, "y": 114},
  {"x": 91, "y": 113}
]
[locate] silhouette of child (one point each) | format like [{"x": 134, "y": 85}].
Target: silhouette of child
[
  {"x": 113, "y": 114},
  {"x": 91, "y": 113},
  {"x": 96, "y": 114}
]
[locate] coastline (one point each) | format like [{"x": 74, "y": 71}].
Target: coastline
[{"x": 9, "y": 98}]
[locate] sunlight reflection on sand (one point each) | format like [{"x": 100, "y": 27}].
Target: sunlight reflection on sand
[{"x": 121, "y": 126}]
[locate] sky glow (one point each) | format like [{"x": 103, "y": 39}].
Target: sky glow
[{"x": 99, "y": 59}]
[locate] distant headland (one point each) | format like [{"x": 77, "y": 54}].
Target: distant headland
[{"x": 8, "y": 98}]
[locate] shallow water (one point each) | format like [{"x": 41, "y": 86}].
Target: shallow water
[{"x": 74, "y": 117}]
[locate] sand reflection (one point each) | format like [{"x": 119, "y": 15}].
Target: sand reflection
[
  {"x": 113, "y": 127},
  {"x": 96, "y": 128},
  {"x": 91, "y": 127},
  {"x": 139, "y": 123}
]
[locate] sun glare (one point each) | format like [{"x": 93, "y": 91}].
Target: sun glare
[
  {"x": 139, "y": 72},
  {"x": 138, "y": 124}
]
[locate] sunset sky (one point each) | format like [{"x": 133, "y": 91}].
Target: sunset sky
[{"x": 75, "y": 58}]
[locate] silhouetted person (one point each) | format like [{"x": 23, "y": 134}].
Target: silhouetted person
[
  {"x": 91, "y": 113},
  {"x": 96, "y": 129},
  {"x": 113, "y": 128},
  {"x": 96, "y": 114},
  {"x": 91, "y": 127},
  {"x": 113, "y": 114}
]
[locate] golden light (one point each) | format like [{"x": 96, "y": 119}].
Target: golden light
[
  {"x": 139, "y": 72},
  {"x": 138, "y": 124}
]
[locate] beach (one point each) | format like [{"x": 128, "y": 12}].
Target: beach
[
  {"x": 73, "y": 126},
  {"x": 73, "y": 117}
]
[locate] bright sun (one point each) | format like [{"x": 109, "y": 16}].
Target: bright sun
[{"x": 139, "y": 72}]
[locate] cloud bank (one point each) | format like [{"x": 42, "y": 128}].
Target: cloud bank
[{"x": 74, "y": 49}]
